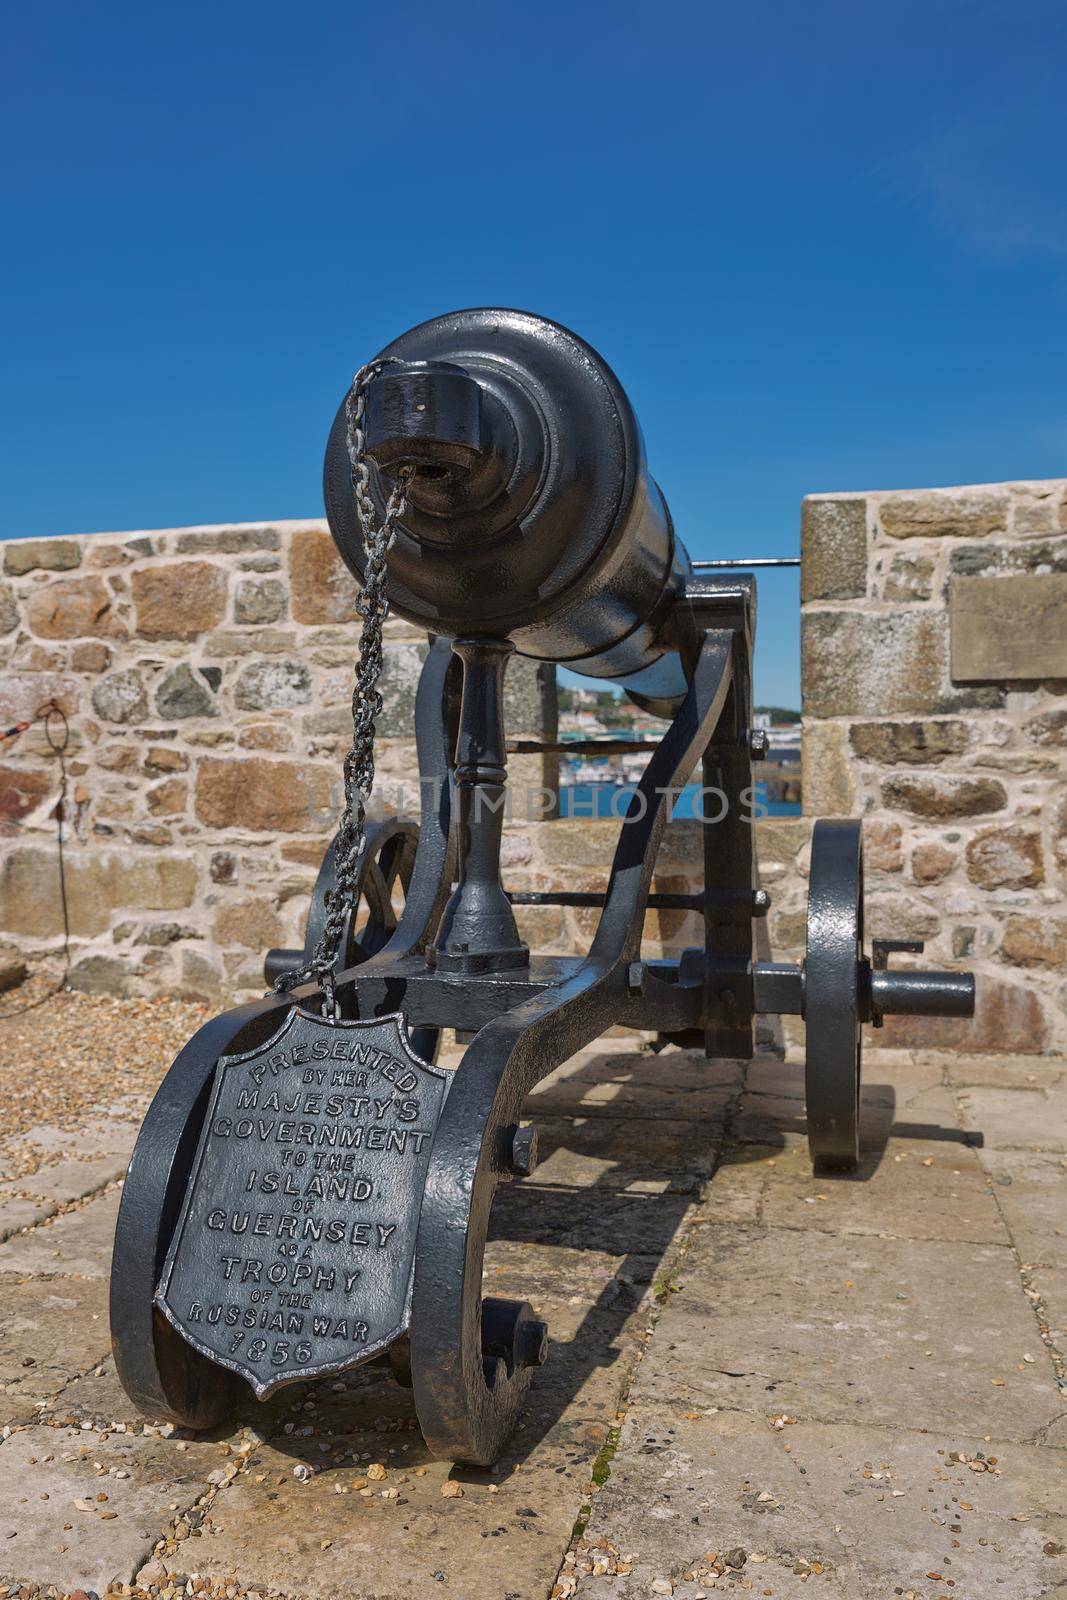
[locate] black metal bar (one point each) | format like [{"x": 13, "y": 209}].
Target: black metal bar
[
  {"x": 757, "y": 899},
  {"x": 922, "y": 994},
  {"x": 778, "y": 988},
  {"x": 581, "y": 747},
  {"x": 743, "y": 566}
]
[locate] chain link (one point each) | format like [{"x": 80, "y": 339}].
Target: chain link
[{"x": 373, "y": 606}]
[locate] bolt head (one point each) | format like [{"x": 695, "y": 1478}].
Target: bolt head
[
  {"x": 533, "y": 1344},
  {"x": 758, "y": 743},
  {"x": 522, "y": 1157}
]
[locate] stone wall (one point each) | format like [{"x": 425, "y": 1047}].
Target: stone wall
[
  {"x": 207, "y": 675},
  {"x": 924, "y": 713},
  {"x": 207, "y": 672}
]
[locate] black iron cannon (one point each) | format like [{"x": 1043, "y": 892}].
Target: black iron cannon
[{"x": 309, "y": 1189}]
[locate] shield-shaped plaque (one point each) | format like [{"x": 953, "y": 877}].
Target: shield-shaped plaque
[{"x": 294, "y": 1252}]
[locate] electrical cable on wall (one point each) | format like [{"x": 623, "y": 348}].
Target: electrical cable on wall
[{"x": 58, "y": 738}]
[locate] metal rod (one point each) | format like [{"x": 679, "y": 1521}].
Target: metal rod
[
  {"x": 757, "y": 900},
  {"x": 757, "y": 561},
  {"x": 581, "y": 747}
]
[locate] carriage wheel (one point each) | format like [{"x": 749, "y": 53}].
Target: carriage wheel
[
  {"x": 164, "y": 1376},
  {"x": 833, "y": 975}
]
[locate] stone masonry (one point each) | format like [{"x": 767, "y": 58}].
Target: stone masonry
[
  {"x": 207, "y": 671},
  {"x": 207, "y": 676},
  {"x": 960, "y": 783}
]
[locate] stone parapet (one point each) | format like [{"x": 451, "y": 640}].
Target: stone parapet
[
  {"x": 960, "y": 781},
  {"x": 207, "y": 676}
]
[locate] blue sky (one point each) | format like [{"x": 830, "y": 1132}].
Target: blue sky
[{"x": 824, "y": 245}]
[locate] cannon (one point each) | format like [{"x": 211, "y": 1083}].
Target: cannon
[{"x": 309, "y": 1189}]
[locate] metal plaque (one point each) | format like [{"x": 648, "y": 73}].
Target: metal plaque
[{"x": 293, "y": 1256}]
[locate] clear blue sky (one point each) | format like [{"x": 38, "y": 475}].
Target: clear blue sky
[{"x": 823, "y": 244}]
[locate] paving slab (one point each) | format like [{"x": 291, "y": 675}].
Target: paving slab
[
  {"x": 964, "y": 1070},
  {"x": 75, "y": 1244},
  {"x": 50, "y": 1333},
  {"x": 888, "y": 1076},
  {"x": 1017, "y": 1119},
  {"x": 83, "y": 1513},
  {"x": 325, "y": 1540},
  {"x": 916, "y": 1189},
  {"x": 822, "y": 1510},
  {"x": 1031, "y": 1192},
  {"x": 73, "y": 1179},
  {"x": 19, "y": 1209},
  {"x": 637, "y": 1082},
  {"x": 902, "y": 1331},
  {"x": 1051, "y": 1285},
  {"x": 623, "y": 1153},
  {"x": 609, "y": 1222},
  {"x": 96, "y": 1397}
]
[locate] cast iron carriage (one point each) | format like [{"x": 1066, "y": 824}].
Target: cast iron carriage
[{"x": 309, "y": 1190}]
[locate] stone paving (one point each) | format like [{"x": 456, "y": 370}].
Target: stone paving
[{"x": 760, "y": 1382}]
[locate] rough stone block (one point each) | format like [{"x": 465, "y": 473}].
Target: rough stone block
[
  {"x": 228, "y": 541},
  {"x": 781, "y": 838},
  {"x": 888, "y": 665},
  {"x": 41, "y": 555},
  {"x": 90, "y": 656},
  {"x": 910, "y": 578},
  {"x": 260, "y": 600},
  {"x": 930, "y": 862},
  {"x": 1049, "y": 728},
  {"x": 120, "y": 697},
  {"x": 944, "y": 513},
  {"x": 22, "y": 790},
  {"x": 944, "y": 797},
  {"x": 9, "y": 609},
  {"x": 827, "y": 777},
  {"x": 909, "y": 743},
  {"x": 530, "y": 708},
  {"x": 272, "y": 686},
  {"x": 1008, "y": 628},
  {"x": 833, "y": 543},
  {"x": 22, "y": 693},
  {"x": 1035, "y": 941},
  {"x": 266, "y": 796},
  {"x": 322, "y": 588},
  {"x": 12, "y": 967},
  {"x": 167, "y": 799},
  {"x": 73, "y": 608},
  {"x": 1039, "y": 508},
  {"x": 895, "y": 916},
  {"x": 1000, "y": 559},
  {"x": 100, "y": 974},
  {"x": 1006, "y": 858},
  {"x": 97, "y": 882},
  {"x": 883, "y": 847},
  {"x": 179, "y": 600},
  {"x": 253, "y": 924},
  {"x": 183, "y": 693}
]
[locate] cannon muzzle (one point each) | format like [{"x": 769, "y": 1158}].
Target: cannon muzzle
[{"x": 531, "y": 516}]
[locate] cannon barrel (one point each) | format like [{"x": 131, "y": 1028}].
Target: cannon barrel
[{"x": 531, "y": 515}]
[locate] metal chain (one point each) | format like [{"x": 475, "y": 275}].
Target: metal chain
[{"x": 373, "y": 606}]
